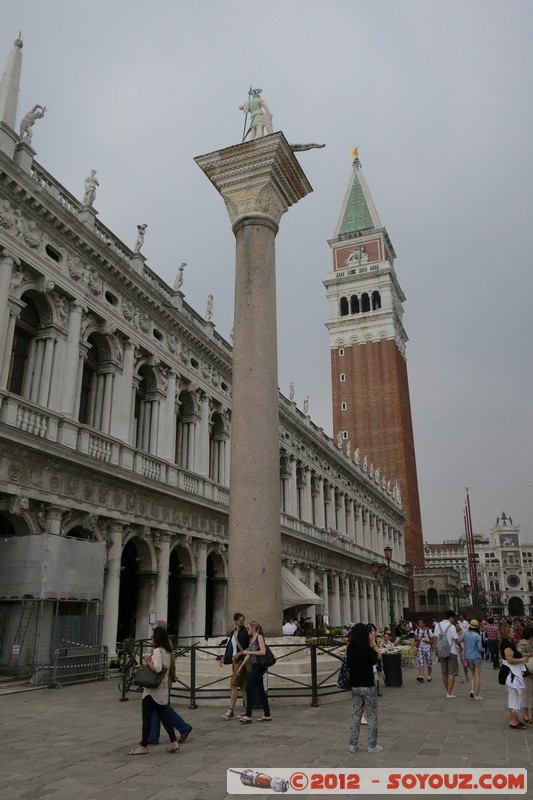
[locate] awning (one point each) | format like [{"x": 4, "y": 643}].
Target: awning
[{"x": 296, "y": 594}]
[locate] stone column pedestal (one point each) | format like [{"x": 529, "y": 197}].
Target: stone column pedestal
[{"x": 258, "y": 181}]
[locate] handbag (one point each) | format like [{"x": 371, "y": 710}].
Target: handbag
[
  {"x": 148, "y": 679},
  {"x": 343, "y": 678},
  {"x": 268, "y": 660}
]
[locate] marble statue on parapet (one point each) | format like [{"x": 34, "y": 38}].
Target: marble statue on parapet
[
  {"x": 349, "y": 448},
  {"x": 29, "y": 120},
  {"x": 306, "y": 405},
  {"x": 141, "y": 230},
  {"x": 231, "y": 335},
  {"x": 260, "y": 122},
  {"x": 291, "y": 392},
  {"x": 357, "y": 456},
  {"x": 209, "y": 309},
  {"x": 91, "y": 183},
  {"x": 339, "y": 440},
  {"x": 365, "y": 463},
  {"x": 178, "y": 283}
]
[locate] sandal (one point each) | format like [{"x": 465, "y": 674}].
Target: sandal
[
  {"x": 245, "y": 720},
  {"x": 265, "y": 719},
  {"x": 172, "y": 749},
  {"x": 138, "y": 752}
]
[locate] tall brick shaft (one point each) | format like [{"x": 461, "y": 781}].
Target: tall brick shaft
[
  {"x": 370, "y": 385},
  {"x": 259, "y": 181}
]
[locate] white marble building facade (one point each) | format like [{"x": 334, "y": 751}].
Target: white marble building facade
[{"x": 115, "y": 425}]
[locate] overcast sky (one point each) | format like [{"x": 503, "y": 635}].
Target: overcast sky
[{"x": 438, "y": 98}]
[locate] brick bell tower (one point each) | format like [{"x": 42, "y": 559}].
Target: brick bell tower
[{"x": 370, "y": 386}]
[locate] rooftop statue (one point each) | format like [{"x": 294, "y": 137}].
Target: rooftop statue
[
  {"x": 178, "y": 283},
  {"x": 299, "y": 148},
  {"x": 209, "y": 309},
  {"x": 260, "y": 116},
  {"x": 141, "y": 230},
  {"x": 29, "y": 121},
  {"x": 90, "y": 189},
  {"x": 291, "y": 392}
]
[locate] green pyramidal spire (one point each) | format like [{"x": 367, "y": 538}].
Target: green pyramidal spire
[{"x": 358, "y": 211}]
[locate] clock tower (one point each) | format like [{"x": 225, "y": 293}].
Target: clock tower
[{"x": 370, "y": 387}]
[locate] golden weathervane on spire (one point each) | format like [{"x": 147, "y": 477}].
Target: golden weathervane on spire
[{"x": 354, "y": 152}]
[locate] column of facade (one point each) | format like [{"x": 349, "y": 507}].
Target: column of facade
[
  {"x": 202, "y": 439},
  {"x": 107, "y": 400},
  {"x": 162, "y": 544},
  {"x": 346, "y": 604},
  {"x": 200, "y": 589},
  {"x": 336, "y": 601},
  {"x": 364, "y": 601},
  {"x": 121, "y": 417},
  {"x": 350, "y": 519},
  {"x": 69, "y": 373},
  {"x": 5, "y": 352},
  {"x": 112, "y": 586},
  {"x": 325, "y": 595},
  {"x": 372, "y": 532},
  {"x": 84, "y": 349},
  {"x": 356, "y": 606},
  {"x": 167, "y": 426},
  {"x": 311, "y": 611},
  {"x": 371, "y": 603},
  {"x": 46, "y": 370},
  {"x": 6, "y": 270},
  {"x": 329, "y": 507},
  {"x": 307, "y": 504},
  {"x": 319, "y": 502},
  {"x": 364, "y": 528},
  {"x": 54, "y": 518},
  {"x": 357, "y": 521},
  {"x": 293, "y": 498}
]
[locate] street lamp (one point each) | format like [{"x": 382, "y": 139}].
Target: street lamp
[{"x": 385, "y": 575}]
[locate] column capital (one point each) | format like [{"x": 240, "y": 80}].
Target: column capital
[{"x": 258, "y": 180}]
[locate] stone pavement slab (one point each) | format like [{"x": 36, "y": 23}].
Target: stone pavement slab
[{"x": 72, "y": 743}]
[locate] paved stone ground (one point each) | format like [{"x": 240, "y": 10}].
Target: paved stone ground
[{"x": 72, "y": 744}]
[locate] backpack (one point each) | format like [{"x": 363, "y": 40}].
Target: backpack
[{"x": 443, "y": 645}]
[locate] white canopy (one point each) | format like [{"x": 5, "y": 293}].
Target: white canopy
[{"x": 296, "y": 594}]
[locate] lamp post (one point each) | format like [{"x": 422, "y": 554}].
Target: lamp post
[{"x": 385, "y": 575}]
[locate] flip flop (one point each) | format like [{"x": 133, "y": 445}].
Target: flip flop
[
  {"x": 265, "y": 719},
  {"x": 246, "y": 720},
  {"x": 138, "y": 752},
  {"x": 172, "y": 749}
]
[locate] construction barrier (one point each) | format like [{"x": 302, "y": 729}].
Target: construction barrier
[{"x": 78, "y": 663}]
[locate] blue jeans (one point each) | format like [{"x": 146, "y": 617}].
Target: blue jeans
[
  {"x": 255, "y": 682},
  {"x": 174, "y": 719}
]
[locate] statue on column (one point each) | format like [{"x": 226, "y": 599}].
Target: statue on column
[
  {"x": 291, "y": 392},
  {"x": 29, "y": 120},
  {"x": 357, "y": 456},
  {"x": 90, "y": 189},
  {"x": 306, "y": 405},
  {"x": 141, "y": 230},
  {"x": 339, "y": 440},
  {"x": 209, "y": 309},
  {"x": 178, "y": 283},
  {"x": 260, "y": 116}
]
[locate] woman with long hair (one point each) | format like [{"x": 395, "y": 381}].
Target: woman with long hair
[
  {"x": 157, "y": 699},
  {"x": 515, "y": 683},
  {"x": 362, "y": 655},
  {"x": 525, "y": 647},
  {"x": 257, "y": 647}
]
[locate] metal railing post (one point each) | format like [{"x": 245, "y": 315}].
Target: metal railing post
[
  {"x": 192, "y": 702},
  {"x": 54, "y": 683},
  {"x": 314, "y": 677}
]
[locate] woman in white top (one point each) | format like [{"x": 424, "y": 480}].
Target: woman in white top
[{"x": 157, "y": 699}]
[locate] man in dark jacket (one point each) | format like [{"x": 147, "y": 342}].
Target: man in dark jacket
[{"x": 238, "y": 641}]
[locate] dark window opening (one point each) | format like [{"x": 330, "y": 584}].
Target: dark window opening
[
  {"x": 354, "y": 304},
  {"x": 344, "y": 306},
  {"x": 365, "y": 302},
  {"x": 376, "y": 301}
]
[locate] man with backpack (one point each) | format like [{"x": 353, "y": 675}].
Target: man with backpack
[{"x": 448, "y": 651}]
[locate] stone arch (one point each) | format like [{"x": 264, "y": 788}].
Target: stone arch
[
  {"x": 81, "y": 526},
  {"x": 181, "y": 586},
  {"x": 343, "y": 307}
]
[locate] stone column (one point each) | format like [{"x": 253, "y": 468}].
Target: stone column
[
  {"x": 6, "y": 344},
  {"x": 259, "y": 180},
  {"x": 6, "y": 268},
  {"x": 319, "y": 518},
  {"x": 202, "y": 440},
  {"x": 356, "y": 607},
  {"x": 69, "y": 374},
  {"x": 162, "y": 543},
  {"x": 325, "y": 598},
  {"x": 336, "y": 603},
  {"x": 200, "y": 587},
  {"x": 54, "y": 516},
  {"x": 346, "y": 605},
  {"x": 112, "y": 586},
  {"x": 121, "y": 412}
]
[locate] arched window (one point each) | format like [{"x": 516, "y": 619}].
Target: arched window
[
  {"x": 185, "y": 431},
  {"x": 22, "y": 354},
  {"x": 146, "y": 410},
  {"x": 88, "y": 381},
  {"x": 376, "y": 300},
  {"x": 365, "y": 302},
  {"x": 343, "y": 306},
  {"x": 354, "y": 304},
  {"x": 433, "y": 599},
  {"x": 217, "y": 449}
]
